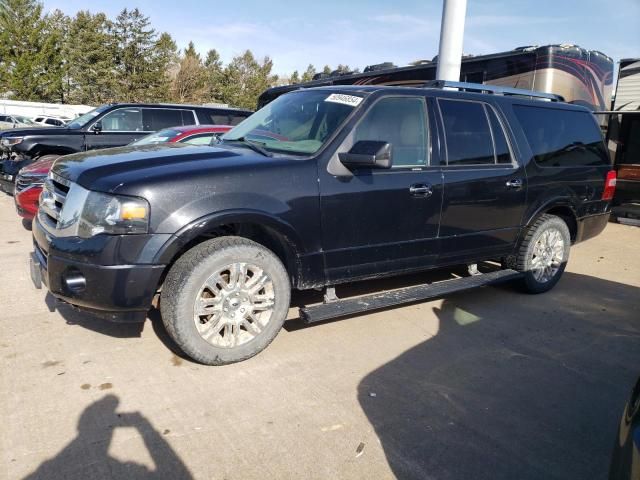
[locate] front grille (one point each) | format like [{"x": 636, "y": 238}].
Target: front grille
[
  {"x": 54, "y": 195},
  {"x": 23, "y": 182}
]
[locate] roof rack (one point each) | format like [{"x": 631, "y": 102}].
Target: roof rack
[{"x": 494, "y": 89}]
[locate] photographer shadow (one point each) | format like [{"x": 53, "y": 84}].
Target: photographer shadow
[{"x": 87, "y": 456}]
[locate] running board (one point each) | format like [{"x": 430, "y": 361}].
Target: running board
[{"x": 416, "y": 293}]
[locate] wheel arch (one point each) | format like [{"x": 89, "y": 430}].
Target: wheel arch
[
  {"x": 561, "y": 208},
  {"x": 267, "y": 230}
]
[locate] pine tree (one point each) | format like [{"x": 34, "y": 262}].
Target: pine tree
[
  {"x": 309, "y": 73},
  {"x": 89, "y": 55},
  {"x": 165, "y": 62},
  {"x": 295, "y": 77},
  {"x": 214, "y": 74},
  {"x": 189, "y": 85},
  {"x": 138, "y": 78},
  {"x": 22, "y": 29},
  {"x": 245, "y": 79}
]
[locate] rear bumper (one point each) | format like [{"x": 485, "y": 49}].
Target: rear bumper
[
  {"x": 589, "y": 227},
  {"x": 119, "y": 292}
]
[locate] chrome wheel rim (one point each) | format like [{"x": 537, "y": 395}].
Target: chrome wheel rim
[
  {"x": 548, "y": 255},
  {"x": 234, "y": 305}
]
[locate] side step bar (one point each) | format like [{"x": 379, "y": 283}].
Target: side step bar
[{"x": 416, "y": 293}]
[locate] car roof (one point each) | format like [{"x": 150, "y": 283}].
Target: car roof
[
  {"x": 178, "y": 105},
  {"x": 442, "y": 93}
]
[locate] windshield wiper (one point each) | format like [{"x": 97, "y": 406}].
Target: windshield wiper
[{"x": 253, "y": 145}]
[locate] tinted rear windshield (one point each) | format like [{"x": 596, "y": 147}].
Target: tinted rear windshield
[{"x": 562, "y": 138}]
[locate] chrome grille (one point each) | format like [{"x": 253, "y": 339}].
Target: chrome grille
[
  {"x": 53, "y": 197},
  {"x": 24, "y": 182}
]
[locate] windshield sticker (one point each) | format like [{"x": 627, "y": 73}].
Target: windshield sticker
[{"x": 350, "y": 100}]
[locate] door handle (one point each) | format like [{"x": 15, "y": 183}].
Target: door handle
[
  {"x": 420, "y": 190},
  {"x": 515, "y": 183}
]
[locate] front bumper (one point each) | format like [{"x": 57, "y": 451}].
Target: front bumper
[{"x": 83, "y": 273}]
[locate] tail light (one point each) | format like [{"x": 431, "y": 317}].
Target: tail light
[{"x": 609, "y": 185}]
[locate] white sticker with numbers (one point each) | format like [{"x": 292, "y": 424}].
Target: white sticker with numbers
[{"x": 350, "y": 100}]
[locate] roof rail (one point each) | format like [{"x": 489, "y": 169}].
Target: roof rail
[{"x": 494, "y": 89}]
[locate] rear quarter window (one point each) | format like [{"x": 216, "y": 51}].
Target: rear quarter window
[{"x": 562, "y": 138}]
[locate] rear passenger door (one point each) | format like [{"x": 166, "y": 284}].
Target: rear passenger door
[{"x": 484, "y": 186}]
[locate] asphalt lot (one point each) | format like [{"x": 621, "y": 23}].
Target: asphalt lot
[{"x": 488, "y": 384}]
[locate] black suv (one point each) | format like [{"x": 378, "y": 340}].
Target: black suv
[
  {"x": 107, "y": 126},
  {"x": 320, "y": 187}
]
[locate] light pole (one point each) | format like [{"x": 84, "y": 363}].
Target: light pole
[{"x": 451, "y": 39}]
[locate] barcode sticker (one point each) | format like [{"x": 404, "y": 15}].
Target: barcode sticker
[{"x": 350, "y": 100}]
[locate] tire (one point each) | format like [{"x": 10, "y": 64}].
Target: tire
[
  {"x": 543, "y": 254},
  {"x": 233, "y": 321}
]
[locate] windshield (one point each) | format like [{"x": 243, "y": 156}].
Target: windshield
[
  {"x": 25, "y": 120},
  {"x": 298, "y": 122},
  {"x": 82, "y": 120},
  {"x": 162, "y": 136}
]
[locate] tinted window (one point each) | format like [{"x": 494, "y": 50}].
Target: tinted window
[
  {"x": 204, "y": 139},
  {"x": 499, "y": 139},
  {"x": 162, "y": 136},
  {"x": 236, "y": 118},
  {"x": 401, "y": 122},
  {"x": 122, "y": 120},
  {"x": 562, "y": 138},
  {"x": 159, "y": 118},
  {"x": 3, "y": 118},
  {"x": 467, "y": 133},
  {"x": 630, "y": 140},
  {"x": 219, "y": 119}
]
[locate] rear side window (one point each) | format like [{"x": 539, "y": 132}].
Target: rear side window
[
  {"x": 236, "y": 118},
  {"x": 160, "y": 118},
  {"x": 219, "y": 119},
  {"x": 562, "y": 138},
  {"x": 467, "y": 133}
]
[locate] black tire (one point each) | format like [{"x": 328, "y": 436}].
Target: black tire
[
  {"x": 524, "y": 260},
  {"x": 185, "y": 281},
  {"x": 27, "y": 224}
]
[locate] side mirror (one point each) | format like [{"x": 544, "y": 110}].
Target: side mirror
[
  {"x": 97, "y": 127},
  {"x": 368, "y": 153}
]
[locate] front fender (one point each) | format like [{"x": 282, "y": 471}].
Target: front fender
[{"x": 210, "y": 223}]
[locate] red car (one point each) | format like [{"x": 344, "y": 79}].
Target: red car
[{"x": 31, "y": 178}]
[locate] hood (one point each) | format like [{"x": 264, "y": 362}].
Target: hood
[
  {"x": 39, "y": 167},
  {"x": 23, "y": 132},
  {"x": 117, "y": 168}
]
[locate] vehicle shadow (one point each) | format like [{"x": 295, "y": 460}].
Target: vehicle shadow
[
  {"x": 512, "y": 385},
  {"x": 87, "y": 455}
]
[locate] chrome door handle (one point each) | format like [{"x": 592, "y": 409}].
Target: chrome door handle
[
  {"x": 420, "y": 190},
  {"x": 514, "y": 183}
]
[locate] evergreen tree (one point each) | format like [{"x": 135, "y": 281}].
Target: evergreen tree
[
  {"x": 214, "y": 74},
  {"x": 189, "y": 85},
  {"x": 308, "y": 74},
  {"x": 138, "y": 78},
  {"x": 245, "y": 79},
  {"x": 326, "y": 70},
  {"x": 90, "y": 74},
  {"x": 295, "y": 77},
  {"x": 165, "y": 62},
  {"x": 22, "y": 30}
]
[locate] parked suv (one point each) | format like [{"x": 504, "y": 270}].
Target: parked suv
[
  {"x": 107, "y": 126},
  {"x": 320, "y": 187}
]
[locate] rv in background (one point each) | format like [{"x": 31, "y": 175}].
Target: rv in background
[
  {"x": 583, "y": 77},
  {"x": 623, "y": 139}
]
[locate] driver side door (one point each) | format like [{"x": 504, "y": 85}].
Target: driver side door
[{"x": 380, "y": 221}]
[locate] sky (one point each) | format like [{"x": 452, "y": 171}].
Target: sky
[{"x": 359, "y": 33}]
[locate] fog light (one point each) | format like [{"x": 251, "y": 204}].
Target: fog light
[{"x": 74, "y": 281}]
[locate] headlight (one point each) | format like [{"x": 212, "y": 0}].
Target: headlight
[
  {"x": 11, "y": 141},
  {"x": 113, "y": 214}
]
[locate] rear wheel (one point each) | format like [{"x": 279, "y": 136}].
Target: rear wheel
[
  {"x": 544, "y": 253},
  {"x": 225, "y": 300}
]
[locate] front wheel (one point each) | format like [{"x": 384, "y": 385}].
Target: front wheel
[
  {"x": 544, "y": 253},
  {"x": 225, "y": 300}
]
